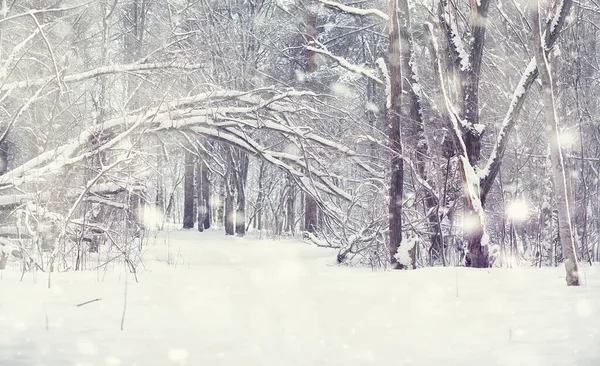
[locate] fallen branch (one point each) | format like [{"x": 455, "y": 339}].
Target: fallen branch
[{"x": 88, "y": 302}]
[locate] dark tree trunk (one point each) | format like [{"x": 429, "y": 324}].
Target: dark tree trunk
[
  {"x": 220, "y": 210},
  {"x": 290, "y": 204},
  {"x": 260, "y": 198},
  {"x": 3, "y": 157},
  {"x": 469, "y": 135},
  {"x": 160, "y": 188},
  {"x": 229, "y": 214},
  {"x": 310, "y": 213},
  {"x": 414, "y": 119},
  {"x": 201, "y": 193},
  {"x": 206, "y": 195},
  {"x": 394, "y": 113},
  {"x": 229, "y": 211},
  {"x": 311, "y": 208},
  {"x": 241, "y": 176},
  {"x": 188, "y": 192}
]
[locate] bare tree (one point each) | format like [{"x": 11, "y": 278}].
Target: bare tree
[
  {"x": 558, "y": 169},
  {"x": 395, "y": 139}
]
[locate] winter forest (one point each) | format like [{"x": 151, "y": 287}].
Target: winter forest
[{"x": 232, "y": 165}]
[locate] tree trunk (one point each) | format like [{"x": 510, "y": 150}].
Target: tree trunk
[
  {"x": 241, "y": 176},
  {"x": 188, "y": 192},
  {"x": 202, "y": 193},
  {"x": 310, "y": 213},
  {"x": 206, "y": 195},
  {"x": 469, "y": 133},
  {"x": 414, "y": 118},
  {"x": 160, "y": 187},
  {"x": 290, "y": 206},
  {"x": 558, "y": 171},
  {"x": 220, "y": 210},
  {"x": 260, "y": 198},
  {"x": 229, "y": 214},
  {"x": 394, "y": 113},
  {"x": 310, "y": 203},
  {"x": 229, "y": 211}
]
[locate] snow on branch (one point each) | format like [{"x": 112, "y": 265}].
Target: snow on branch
[
  {"x": 386, "y": 77},
  {"x": 344, "y": 63},
  {"x": 228, "y": 116},
  {"x": 449, "y": 111},
  {"x": 453, "y": 37},
  {"x": 510, "y": 118},
  {"x": 44, "y": 11},
  {"x": 103, "y": 70},
  {"x": 8, "y": 62},
  {"x": 289, "y": 162},
  {"x": 353, "y": 10},
  {"x": 553, "y": 28}
]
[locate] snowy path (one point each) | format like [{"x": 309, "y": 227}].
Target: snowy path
[{"x": 207, "y": 300}]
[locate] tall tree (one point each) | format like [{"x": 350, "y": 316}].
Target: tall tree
[
  {"x": 394, "y": 115},
  {"x": 558, "y": 168},
  {"x": 468, "y": 131},
  {"x": 413, "y": 119},
  {"x": 311, "y": 213}
]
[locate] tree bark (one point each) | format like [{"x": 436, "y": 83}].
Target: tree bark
[
  {"x": 206, "y": 195},
  {"x": 414, "y": 118},
  {"x": 220, "y": 209},
  {"x": 290, "y": 205},
  {"x": 160, "y": 186},
  {"x": 310, "y": 203},
  {"x": 468, "y": 135},
  {"x": 202, "y": 194},
  {"x": 260, "y": 198},
  {"x": 229, "y": 211},
  {"x": 229, "y": 214},
  {"x": 188, "y": 192},
  {"x": 477, "y": 254},
  {"x": 558, "y": 171},
  {"x": 241, "y": 175},
  {"x": 394, "y": 113}
]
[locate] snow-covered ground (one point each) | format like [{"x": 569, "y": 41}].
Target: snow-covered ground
[{"x": 203, "y": 299}]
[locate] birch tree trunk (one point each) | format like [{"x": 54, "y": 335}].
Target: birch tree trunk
[{"x": 558, "y": 170}]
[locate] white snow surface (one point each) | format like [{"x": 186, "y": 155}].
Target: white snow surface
[{"x": 203, "y": 299}]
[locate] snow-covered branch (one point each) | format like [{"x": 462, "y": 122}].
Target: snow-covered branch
[
  {"x": 44, "y": 11},
  {"x": 354, "y": 10},
  {"x": 226, "y": 116},
  {"x": 453, "y": 37},
  {"x": 448, "y": 110},
  {"x": 345, "y": 63},
  {"x": 553, "y": 28},
  {"x": 510, "y": 119},
  {"x": 103, "y": 70}
]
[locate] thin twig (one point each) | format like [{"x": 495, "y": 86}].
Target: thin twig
[{"x": 88, "y": 302}]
